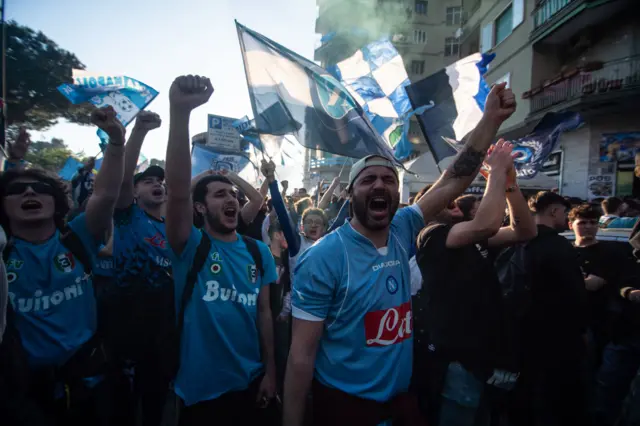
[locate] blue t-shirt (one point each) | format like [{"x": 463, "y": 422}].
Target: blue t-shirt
[
  {"x": 363, "y": 295},
  {"x": 220, "y": 346},
  {"x": 103, "y": 266},
  {"x": 52, "y": 296},
  {"x": 140, "y": 250}
]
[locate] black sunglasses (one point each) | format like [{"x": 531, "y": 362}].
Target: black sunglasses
[{"x": 19, "y": 188}]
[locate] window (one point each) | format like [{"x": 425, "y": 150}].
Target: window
[
  {"x": 417, "y": 67},
  {"x": 504, "y": 25},
  {"x": 421, "y": 7},
  {"x": 419, "y": 36},
  {"x": 454, "y": 15},
  {"x": 451, "y": 46}
]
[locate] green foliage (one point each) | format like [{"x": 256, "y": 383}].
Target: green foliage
[
  {"x": 36, "y": 66},
  {"x": 48, "y": 155}
]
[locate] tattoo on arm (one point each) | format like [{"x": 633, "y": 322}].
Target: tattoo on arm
[{"x": 467, "y": 162}]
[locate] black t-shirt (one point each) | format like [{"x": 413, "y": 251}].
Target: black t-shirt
[
  {"x": 253, "y": 229},
  {"x": 459, "y": 309}
]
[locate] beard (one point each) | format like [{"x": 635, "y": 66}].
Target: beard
[
  {"x": 361, "y": 208},
  {"x": 214, "y": 222}
]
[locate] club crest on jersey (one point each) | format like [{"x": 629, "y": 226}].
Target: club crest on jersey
[
  {"x": 216, "y": 268},
  {"x": 11, "y": 277},
  {"x": 64, "y": 262},
  {"x": 252, "y": 271},
  {"x": 15, "y": 264},
  {"x": 392, "y": 285}
]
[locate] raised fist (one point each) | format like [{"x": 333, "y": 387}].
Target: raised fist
[
  {"x": 268, "y": 169},
  {"x": 499, "y": 159},
  {"x": 189, "y": 92},
  {"x": 107, "y": 120},
  {"x": 285, "y": 185},
  {"x": 18, "y": 149},
  {"x": 500, "y": 104},
  {"x": 147, "y": 120}
]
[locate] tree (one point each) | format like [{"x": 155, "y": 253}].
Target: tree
[
  {"x": 48, "y": 155},
  {"x": 36, "y": 66}
]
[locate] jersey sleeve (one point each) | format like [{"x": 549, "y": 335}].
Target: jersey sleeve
[
  {"x": 268, "y": 264},
  {"x": 79, "y": 226},
  {"x": 190, "y": 248},
  {"x": 314, "y": 284},
  {"x": 408, "y": 222}
]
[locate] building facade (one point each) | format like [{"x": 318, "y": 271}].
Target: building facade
[
  {"x": 425, "y": 34},
  {"x": 568, "y": 55}
]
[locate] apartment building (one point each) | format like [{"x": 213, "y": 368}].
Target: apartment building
[
  {"x": 425, "y": 34},
  {"x": 568, "y": 55}
]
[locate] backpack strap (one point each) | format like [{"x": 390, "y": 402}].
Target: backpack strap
[
  {"x": 192, "y": 276},
  {"x": 254, "y": 251},
  {"x": 72, "y": 241}
]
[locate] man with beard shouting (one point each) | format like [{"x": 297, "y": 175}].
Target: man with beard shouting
[
  {"x": 226, "y": 371},
  {"x": 351, "y": 297}
]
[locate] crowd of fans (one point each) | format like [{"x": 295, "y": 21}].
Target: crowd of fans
[{"x": 156, "y": 298}]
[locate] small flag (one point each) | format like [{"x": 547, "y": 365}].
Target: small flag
[
  {"x": 292, "y": 95},
  {"x": 70, "y": 168},
  {"x": 204, "y": 158},
  {"x": 458, "y": 94}
]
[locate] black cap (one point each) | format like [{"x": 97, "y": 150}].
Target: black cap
[{"x": 151, "y": 171}]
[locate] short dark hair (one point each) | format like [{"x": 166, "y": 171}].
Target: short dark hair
[
  {"x": 611, "y": 204},
  {"x": 465, "y": 203},
  {"x": 584, "y": 211},
  {"x": 421, "y": 193},
  {"x": 61, "y": 193},
  {"x": 200, "y": 190},
  {"x": 317, "y": 212},
  {"x": 544, "y": 199}
]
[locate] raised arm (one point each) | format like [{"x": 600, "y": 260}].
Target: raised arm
[
  {"x": 488, "y": 218},
  {"x": 326, "y": 198},
  {"x": 186, "y": 94},
  {"x": 288, "y": 229},
  {"x": 522, "y": 226},
  {"x": 253, "y": 206},
  {"x": 500, "y": 104},
  {"x": 145, "y": 122},
  {"x": 106, "y": 187}
]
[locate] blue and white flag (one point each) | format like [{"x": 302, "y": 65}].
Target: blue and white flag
[
  {"x": 376, "y": 77},
  {"x": 458, "y": 94},
  {"x": 70, "y": 168},
  {"x": 292, "y": 95},
  {"x": 126, "y": 95},
  {"x": 203, "y": 159}
]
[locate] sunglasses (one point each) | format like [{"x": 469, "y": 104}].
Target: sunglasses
[{"x": 19, "y": 188}]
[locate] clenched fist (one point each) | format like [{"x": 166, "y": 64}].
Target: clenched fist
[
  {"x": 18, "y": 149},
  {"x": 189, "y": 92},
  {"x": 147, "y": 120},
  {"x": 500, "y": 104},
  {"x": 107, "y": 120}
]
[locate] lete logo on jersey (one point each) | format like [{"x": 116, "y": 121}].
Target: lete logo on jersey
[
  {"x": 388, "y": 326},
  {"x": 64, "y": 262}
]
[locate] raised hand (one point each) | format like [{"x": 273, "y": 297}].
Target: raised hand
[
  {"x": 189, "y": 92},
  {"x": 500, "y": 104},
  {"x": 147, "y": 120},
  {"x": 18, "y": 149},
  {"x": 285, "y": 185},
  {"x": 499, "y": 159},
  {"x": 268, "y": 170},
  {"x": 107, "y": 120}
]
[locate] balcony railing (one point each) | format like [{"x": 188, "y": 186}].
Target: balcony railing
[
  {"x": 317, "y": 163},
  {"x": 614, "y": 76},
  {"x": 547, "y": 9}
]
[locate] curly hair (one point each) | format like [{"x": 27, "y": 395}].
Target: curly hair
[
  {"x": 584, "y": 211},
  {"x": 61, "y": 193},
  {"x": 316, "y": 211},
  {"x": 544, "y": 199}
]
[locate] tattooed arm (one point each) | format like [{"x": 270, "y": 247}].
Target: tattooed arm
[
  {"x": 522, "y": 226},
  {"x": 458, "y": 176}
]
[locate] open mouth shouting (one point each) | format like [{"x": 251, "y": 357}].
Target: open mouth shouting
[
  {"x": 158, "y": 192},
  {"x": 378, "y": 206},
  {"x": 230, "y": 212},
  {"x": 31, "y": 205}
]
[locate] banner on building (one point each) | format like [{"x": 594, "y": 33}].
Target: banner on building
[
  {"x": 204, "y": 158},
  {"x": 601, "y": 185},
  {"x": 621, "y": 147}
]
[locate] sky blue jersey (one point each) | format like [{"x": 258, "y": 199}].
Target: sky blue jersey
[
  {"x": 363, "y": 295},
  {"x": 220, "y": 346}
]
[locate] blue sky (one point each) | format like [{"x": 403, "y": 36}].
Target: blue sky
[{"x": 157, "y": 40}]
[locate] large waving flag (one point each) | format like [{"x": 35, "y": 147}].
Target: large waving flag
[
  {"x": 458, "y": 94},
  {"x": 126, "y": 95},
  {"x": 292, "y": 95},
  {"x": 203, "y": 158},
  {"x": 376, "y": 77}
]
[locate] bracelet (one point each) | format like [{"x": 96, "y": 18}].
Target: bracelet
[{"x": 512, "y": 188}]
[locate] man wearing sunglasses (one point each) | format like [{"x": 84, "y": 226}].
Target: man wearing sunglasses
[{"x": 52, "y": 303}]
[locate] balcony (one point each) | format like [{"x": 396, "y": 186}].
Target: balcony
[
  {"x": 607, "y": 82},
  {"x": 557, "y": 21}
]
